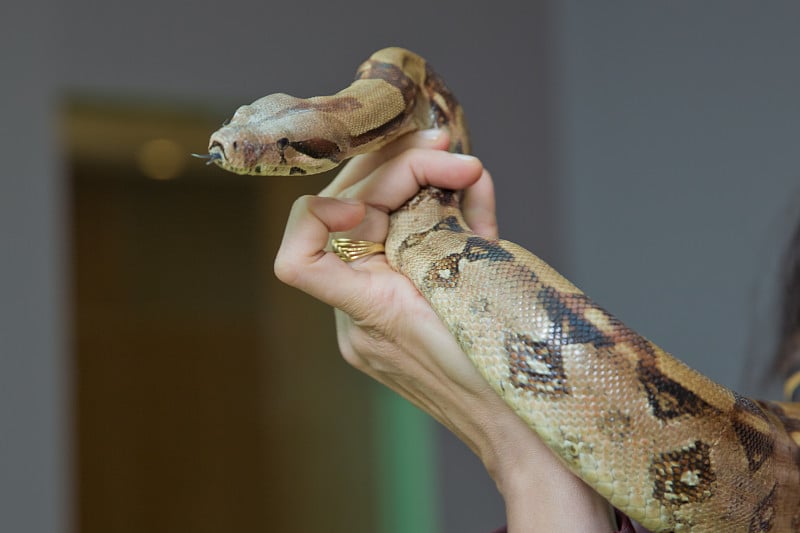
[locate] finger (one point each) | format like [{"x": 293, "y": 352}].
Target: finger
[
  {"x": 479, "y": 207},
  {"x": 361, "y": 166},
  {"x": 301, "y": 260},
  {"x": 398, "y": 180},
  {"x": 394, "y": 183},
  {"x": 373, "y": 227}
]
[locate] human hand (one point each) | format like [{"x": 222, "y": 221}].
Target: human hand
[{"x": 387, "y": 330}]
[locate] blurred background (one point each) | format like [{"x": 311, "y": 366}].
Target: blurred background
[{"x": 153, "y": 374}]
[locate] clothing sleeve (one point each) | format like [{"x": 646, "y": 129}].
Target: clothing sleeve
[{"x": 625, "y": 525}]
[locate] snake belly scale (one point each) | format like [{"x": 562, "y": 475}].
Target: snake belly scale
[{"x": 663, "y": 443}]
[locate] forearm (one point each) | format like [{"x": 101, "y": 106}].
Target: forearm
[
  {"x": 564, "y": 504},
  {"x": 540, "y": 493}
]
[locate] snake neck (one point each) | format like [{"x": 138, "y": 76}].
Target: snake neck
[
  {"x": 431, "y": 105},
  {"x": 428, "y": 102}
]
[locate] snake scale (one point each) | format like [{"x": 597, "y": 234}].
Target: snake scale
[{"x": 663, "y": 443}]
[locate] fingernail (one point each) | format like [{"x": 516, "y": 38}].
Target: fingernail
[
  {"x": 466, "y": 157},
  {"x": 431, "y": 134}
]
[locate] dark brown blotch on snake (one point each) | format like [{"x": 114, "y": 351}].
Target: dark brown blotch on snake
[{"x": 662, "y": 442}]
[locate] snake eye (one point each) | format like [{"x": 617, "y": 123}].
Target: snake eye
[{"x": 282, "y": 143}]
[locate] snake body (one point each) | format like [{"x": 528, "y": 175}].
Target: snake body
[{"x": 663, "y": 443}]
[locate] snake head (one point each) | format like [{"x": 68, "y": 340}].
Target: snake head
[{"x": 277, "y": 135}]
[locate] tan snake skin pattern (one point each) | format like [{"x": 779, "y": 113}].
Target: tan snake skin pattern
[{"x": 661, "y": 442}]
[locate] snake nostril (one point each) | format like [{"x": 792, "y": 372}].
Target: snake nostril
[
  {"x": 218, "y": 146},
  {"x": 216, "y": 151}
]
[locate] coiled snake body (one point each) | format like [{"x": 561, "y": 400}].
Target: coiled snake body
[{"x": 663, "y": 443}]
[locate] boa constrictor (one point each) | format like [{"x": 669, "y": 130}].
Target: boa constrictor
[{"x": 663, "y": 443}]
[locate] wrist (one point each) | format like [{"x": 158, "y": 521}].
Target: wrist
[{"x": 539, "y": 489}]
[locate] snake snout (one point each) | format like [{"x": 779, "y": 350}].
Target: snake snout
[
  {"x": 216, "y": 152},
  {"x": 217, "y": 148}
]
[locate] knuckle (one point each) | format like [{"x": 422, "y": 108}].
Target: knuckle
[
  {"x": 302, "y": 204},
  {"x": 285, "y": 269},
  {"x": 411, "y": 156}
]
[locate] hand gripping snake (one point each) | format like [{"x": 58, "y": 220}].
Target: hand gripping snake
[{"x": 663, "y": 443}]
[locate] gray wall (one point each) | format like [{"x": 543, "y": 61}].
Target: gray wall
[
  {"x": 33, "y": 395},
  {"x": 678, "y": 127},
  {"x": 647, "y": 150}
]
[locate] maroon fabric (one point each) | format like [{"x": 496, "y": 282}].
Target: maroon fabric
[{"x": 625, "y": 524}]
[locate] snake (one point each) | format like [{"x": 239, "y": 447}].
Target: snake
[{"x": 661, "y": 442}]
